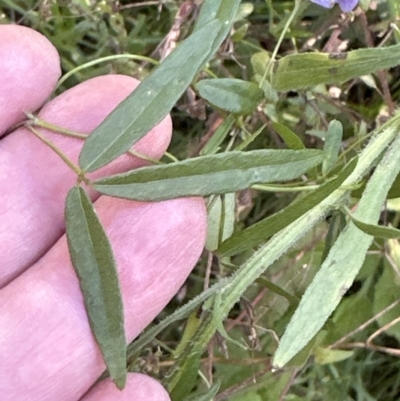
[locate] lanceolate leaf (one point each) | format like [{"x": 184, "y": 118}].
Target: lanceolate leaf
[
  {"x": 261, "y": 231},
  {"x": 93, "y": 260},
  {"x": 213, "y": 145},
  {"x": 158, "y": 93},
  {"x": 332, "y": 144},
  {"x": 222, "y": 10},
  {"x": 204, "y": 395},
  {"x": 376, "y": 230},
  {"x": 290, "y": 138},
  {"x": 299, "y": 71},
  {"x": 341, "y": 265},
  {"x": 214, "y": 174},
  {"x": 150, "y": 102},
  {"x": 281, "y": 242}
]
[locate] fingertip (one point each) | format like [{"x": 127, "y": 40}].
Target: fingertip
[
  {"x": 138, "y": 387},
  {"x": 37, "y": 180},
  {"x": 29, "y": 70},
  {"x": 47, "y": 337}
]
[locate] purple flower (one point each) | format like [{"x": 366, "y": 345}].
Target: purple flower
[{"x": 345, "y": 5}]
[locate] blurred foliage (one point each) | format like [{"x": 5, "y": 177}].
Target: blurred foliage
[{"x": 86, "y": 30}]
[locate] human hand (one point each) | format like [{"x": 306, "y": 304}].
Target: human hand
[{"x": 47, "y": 351}]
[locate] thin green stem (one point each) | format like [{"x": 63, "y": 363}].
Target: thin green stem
[
  {"x": 280, "y": 40},
  {"x": 60, "y": 153},
  {"x": 354, "y": 145},
  {"x": 141, "y": 156},
  {"x": 278, "y": 188},
  {"x": 171, "y": 156},
  {"x": 102, "y": 60},
  {"x": 33, "y": 120}
]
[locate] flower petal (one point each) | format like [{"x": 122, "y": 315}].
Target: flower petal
[
  {"x": 324, "y": 3},
  {"x": 348, "y": 5}
]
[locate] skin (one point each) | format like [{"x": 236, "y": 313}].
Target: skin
[{"x": 47, "y": 351}]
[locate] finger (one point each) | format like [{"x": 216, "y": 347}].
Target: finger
[
  {"x": 29, "y": 70},
  {"x": 47, "y": 349},
  {"x": 35, "y": 180},
  {"x": 138, "y": 388}
]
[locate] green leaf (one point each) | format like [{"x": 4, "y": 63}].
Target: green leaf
[
  {"x": 187, "y": 381},
  {"x": 261, "y": 231},
  {"x": 326, "y": 355},
  {"x": 281, "y": 242},
  {"x": 207, "y": 395},
  {"x": 271, "y": 387},
  {"x": 150, "y": 102},
  {"x": 332, "y": 144},
  {"x": 337, "y": 223},
  {"x": 157, "y": 94},
  {"x": 239, "y": 34},
  {"x": 224, "y": 11},
  {"x": 341, "y": 265},
  {"x": 220, "y": 220},
  {"x": 395, "y": 189},
  {"x": 277, "y": 290},
  {"x": 291, "y": 139},
  {"x": 376, "y": 230},
  {"x": 244, "y": 11},
  {"x": 192, "y": 324},
  {"x": 93, "y": 260},
  {"x": 214, "y": 174},
  {"x": 259, "y": 61},
  {"x": 298, "y": 71},
  {"x": 345, "y": 320},
  {"x": 232, "y": 95},
  {"x": 11, "y": 4},
  {"x": 150, "y": 333},
  {"x": 212, "y": 146},
  {"x": 393, "y": 193},
  {"x": 386, "y": 292}
]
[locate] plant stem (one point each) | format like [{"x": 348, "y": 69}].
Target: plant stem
[
  {"x": 66, "y": 132},
  {"x": 102, "y": 60},
  {"x": 60, "y": 153}
]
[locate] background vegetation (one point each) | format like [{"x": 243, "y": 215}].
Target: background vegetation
[{"x": 355, "y": 356}]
